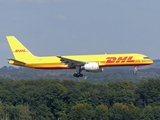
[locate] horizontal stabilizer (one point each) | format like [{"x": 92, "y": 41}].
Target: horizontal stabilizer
[{"x": 17, "y": 61}]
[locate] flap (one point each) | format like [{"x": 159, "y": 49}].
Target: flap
[{"x": 71, "y": 62}]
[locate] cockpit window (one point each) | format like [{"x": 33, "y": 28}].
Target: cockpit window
[{"x": 146, "y": 58}]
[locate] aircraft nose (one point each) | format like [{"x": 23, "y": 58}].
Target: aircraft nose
[
  {"x": 148, "y": 62},
  {"x": 151, "y": 61}
]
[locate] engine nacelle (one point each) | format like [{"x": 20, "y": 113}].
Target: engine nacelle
[
  {"x": 95, "y": 71},
  {"x": 92, "y": 67}
]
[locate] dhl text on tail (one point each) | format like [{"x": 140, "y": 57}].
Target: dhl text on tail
[{"x": 90, "y": 63}]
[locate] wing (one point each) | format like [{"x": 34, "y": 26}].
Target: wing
[{"x": 71, "y": 62}]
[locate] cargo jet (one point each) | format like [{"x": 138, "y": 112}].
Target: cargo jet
[{"x": 90, "y": 63}]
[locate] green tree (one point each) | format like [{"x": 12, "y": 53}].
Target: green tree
[
  {"x": 84, "y": 97},
  {"x": 156, "y": 111},
  {"x": 120, "y": 111},
  {"x": 133, "y": 112},
  {"x": 4, "y": 114},
  {"x": 56, "y": 94},
  {"x": 117, "y": 111},
  {"x": 147, "y": 113},
  {"x": 19, "y": 112},
  {"x": 81, "y": 112},
  {"x": 101, "y": 112},
  {"x": 121, "y": 92},
  {"x": 147, "y": 93}
]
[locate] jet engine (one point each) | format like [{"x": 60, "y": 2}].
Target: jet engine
[{"x": 92, "y": 67}]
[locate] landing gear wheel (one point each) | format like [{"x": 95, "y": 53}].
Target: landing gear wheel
[
  {"x": 81, "y": 75},
  {"x": 75, "y": 74},
  {"x": 78, "y": 75}
]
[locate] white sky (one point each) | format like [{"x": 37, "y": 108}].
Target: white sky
[{"x": 73, "y": 27}]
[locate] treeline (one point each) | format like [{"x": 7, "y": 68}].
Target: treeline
[
  {"x": 54, "y": 99},
  {"x": 108, "y": 75}
]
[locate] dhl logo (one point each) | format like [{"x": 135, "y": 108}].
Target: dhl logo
[
  {"x": 119, "y": 59},
  {"x": 23, "y": 50}
]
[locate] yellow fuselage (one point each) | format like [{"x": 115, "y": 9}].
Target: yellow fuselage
[{"x": 104, "y": 60}]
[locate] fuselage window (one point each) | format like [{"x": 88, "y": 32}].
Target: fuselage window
[{"x": 146, "y": 57}]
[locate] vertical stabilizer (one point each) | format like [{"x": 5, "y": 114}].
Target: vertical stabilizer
[{"x": 19, "y": 51}]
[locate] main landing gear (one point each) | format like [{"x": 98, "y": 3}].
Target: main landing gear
[
  {"x": 135, "y": 70},
  {"x": 78, "y": 75},
  {"x": 78, "y": 72}
]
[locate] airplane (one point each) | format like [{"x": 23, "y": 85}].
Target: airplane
[{"x": 90, "y": 63}]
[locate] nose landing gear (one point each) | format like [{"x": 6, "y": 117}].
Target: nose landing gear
[{"x": 135, "y": 70}]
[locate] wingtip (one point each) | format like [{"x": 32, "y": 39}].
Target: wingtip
[{"x": 58, "y": 56}]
